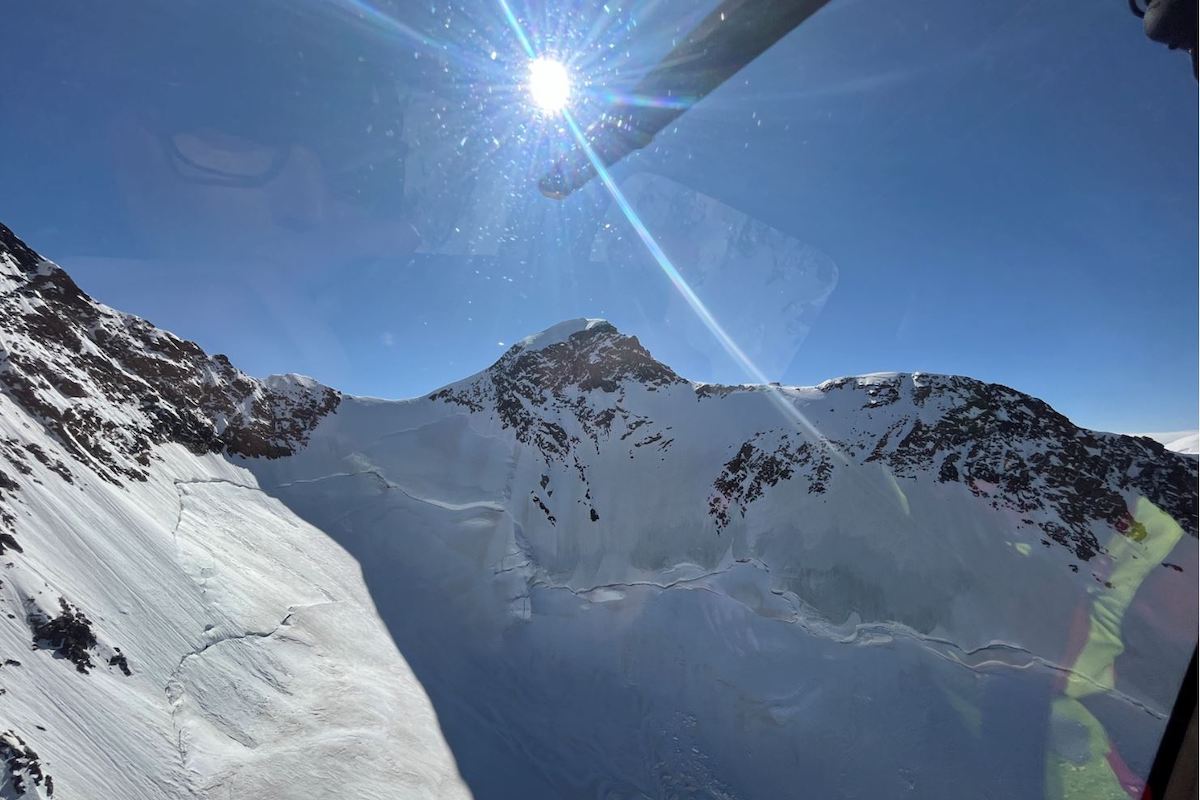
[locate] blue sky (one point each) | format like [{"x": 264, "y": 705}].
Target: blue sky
[{"x": 1000, "y": 189}]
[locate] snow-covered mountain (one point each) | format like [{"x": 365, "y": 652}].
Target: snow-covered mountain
[
  {"x": 168, "y": 629},
  {"x": 575, "y": 574}
]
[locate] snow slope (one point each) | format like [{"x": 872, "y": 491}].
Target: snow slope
[
  {"x": 635, "y": 585},
  {"x": 226, "y": 648},
  {"x": 608, "y": 581}
]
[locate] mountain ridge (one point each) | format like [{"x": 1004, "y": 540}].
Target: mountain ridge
[
  {"x": 571, "y": 544},
  {"x": 1086, "y": 478}
]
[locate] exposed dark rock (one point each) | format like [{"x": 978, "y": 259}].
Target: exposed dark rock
[
  {"x": 882, "y": 392},
  {"x": 8, "y": 488},
  {"x": 1011, "y": 450},
  {"x": 7, "y": 540},
  {"x": 633, "y": 426},
  {"x": 21, "y": 762},
  {"x": 15, "y": 455},
  {"x": 69, "y": 634},
  {"x": 53, "y": 464},
  {"x": 948, "y": 472},
  {"x": 120, "y": 661},
  {"x": 717, "y": 390},
  {"x": 880, "y": 448},
  {"x": 538, "y": 502},
  {"x": 763, "y": 462},
  {"x": 1022, "y": 455},
  {"x": 585, "y": 377}
]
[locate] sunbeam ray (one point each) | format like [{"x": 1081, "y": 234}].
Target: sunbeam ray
[
  {"x": 664, "y": 262},
  {"x": 689, "y": 295},
  {"x": 515, "y": 24}
]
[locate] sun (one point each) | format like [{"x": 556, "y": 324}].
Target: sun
[{"x": 549, "y": 85}]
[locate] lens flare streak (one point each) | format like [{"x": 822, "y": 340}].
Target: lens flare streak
[
  {"x": 644, "y": 101},
  {"x": 515, "y": 24},
  {"x": 689, "y": 295}
]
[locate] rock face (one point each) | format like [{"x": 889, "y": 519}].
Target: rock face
[
  {"x": 1009, "y": 449},
  {"x": 610, "y": 580},
  {"x": 111, "y": 386},
  {"x": 579, "y": 368},
  {"x": 69, "y": 634},
  {"x": 23, "y": 769}
]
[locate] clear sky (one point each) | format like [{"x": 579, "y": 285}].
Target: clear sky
[{"x": 998, "y": 188}]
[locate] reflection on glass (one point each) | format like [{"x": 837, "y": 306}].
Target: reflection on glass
[
  {"x": 766, "y": 288},
  {"x": 616, "y": 571}
]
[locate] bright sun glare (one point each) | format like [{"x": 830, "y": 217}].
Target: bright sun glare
[{"x": 549, "y": 84}]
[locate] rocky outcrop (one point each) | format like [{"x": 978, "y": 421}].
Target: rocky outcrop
[
  {"x": 69, "y": 635},
  {"x": 1009, "y": 449},
  {"x": 763, "y": 462},
  {"x": 22, "y": 766},
  {"x": 110, "y": 387},
  {"x": 584, "y": 377}
]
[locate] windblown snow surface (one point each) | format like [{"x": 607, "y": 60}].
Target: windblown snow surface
[{"x": 573, "y": 575}]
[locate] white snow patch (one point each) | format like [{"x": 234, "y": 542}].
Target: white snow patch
[
  {"x": 558, "y": 333},
  {"x": 1179, "y": 441}
]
